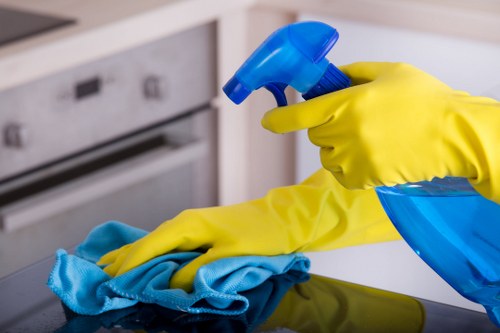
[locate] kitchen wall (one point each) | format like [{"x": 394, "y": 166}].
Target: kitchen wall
[{"x": 463, "y": 64}]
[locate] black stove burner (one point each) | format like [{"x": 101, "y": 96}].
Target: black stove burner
[{"x": 17, "y": 24}]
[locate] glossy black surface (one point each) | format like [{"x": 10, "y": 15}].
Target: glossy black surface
[
  {"x": 318, "y": 305},
  {"x": 17, "y": 24}
]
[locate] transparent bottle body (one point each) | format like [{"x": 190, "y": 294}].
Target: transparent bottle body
[{"x": 455, "y": 231}]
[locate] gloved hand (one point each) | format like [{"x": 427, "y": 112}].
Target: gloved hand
[
  {"x": 318, "y": 214},
  {"x": 397, "y": 124}
]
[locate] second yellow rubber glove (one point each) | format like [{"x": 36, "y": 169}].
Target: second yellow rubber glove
[
  {"x": 318, "y": 214},
  {"x": 398, "y": 124}
]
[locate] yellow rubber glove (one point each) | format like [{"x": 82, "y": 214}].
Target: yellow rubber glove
[
  {"x": 318, "y": 214},
  {"x": 397, "y": 124},
  {"x": 323, "y": 305}
]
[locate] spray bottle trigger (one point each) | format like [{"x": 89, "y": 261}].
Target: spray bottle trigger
[{"x": 278, "y": 91}]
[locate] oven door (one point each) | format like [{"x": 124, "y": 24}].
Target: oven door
[{"x": 141, "y": 180}]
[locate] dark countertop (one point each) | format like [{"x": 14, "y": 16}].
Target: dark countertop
[{"x": 318, "y": 305}]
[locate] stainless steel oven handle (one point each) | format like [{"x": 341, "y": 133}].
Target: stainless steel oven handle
[{"x": 104, "y": 182}]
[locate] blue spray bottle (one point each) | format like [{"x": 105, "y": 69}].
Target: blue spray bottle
[{"x": 448, "y": 224}]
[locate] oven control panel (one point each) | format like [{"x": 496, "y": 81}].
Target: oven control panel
[{"x": 94, "y": 103}]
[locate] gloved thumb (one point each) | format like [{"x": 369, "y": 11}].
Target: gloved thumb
[
  {"x": 308, "y": 114},
  {"x": 184, "y": 277}
]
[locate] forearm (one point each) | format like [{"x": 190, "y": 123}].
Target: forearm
[{"x": 320, "y": 214}]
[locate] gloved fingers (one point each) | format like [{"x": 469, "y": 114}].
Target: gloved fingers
[
  {"x": 364, "y": 72},
  {"x": 184, "y": 277},
  {"x": 341, "y": 168},
  {"x": 349, "y": 166},
  {"x": 132, "y": 257},
  {"x": 111, "y": 256},
  {"x": 331, "y": 134},
  {"x": 113, "y": 268},
  {"x": 127, "y": 258},
  {"x": 167, "y": 238},
  {"x": 308, "y": 114},
  {"x": 329, "y": 162}
]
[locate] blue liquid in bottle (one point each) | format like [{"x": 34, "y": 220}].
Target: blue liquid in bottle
[{"x": 455, "y": 231}]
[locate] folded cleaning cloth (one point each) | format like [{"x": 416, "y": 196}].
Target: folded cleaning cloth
[{"x": 86, "y": 289}]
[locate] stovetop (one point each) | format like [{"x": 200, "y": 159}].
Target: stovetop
[
  {"x": 318, "y": 305},
  {"x": 19, "y": 24}
]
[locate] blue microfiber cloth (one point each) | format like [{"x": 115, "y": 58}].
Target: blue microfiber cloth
[
  {"x": 152, "y": 318},
  {"x": 86, "y": 289}
]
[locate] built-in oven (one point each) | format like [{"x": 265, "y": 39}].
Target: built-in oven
[{"x": 131, "y": 137}]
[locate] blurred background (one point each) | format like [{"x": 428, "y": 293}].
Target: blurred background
[{"x": 112, "y": 110}]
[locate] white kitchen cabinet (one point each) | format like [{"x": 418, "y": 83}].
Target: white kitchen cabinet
[{"x": 464, "y": 64}]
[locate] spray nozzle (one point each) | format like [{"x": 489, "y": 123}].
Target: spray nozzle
[{"x": 293, "y": 55}]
